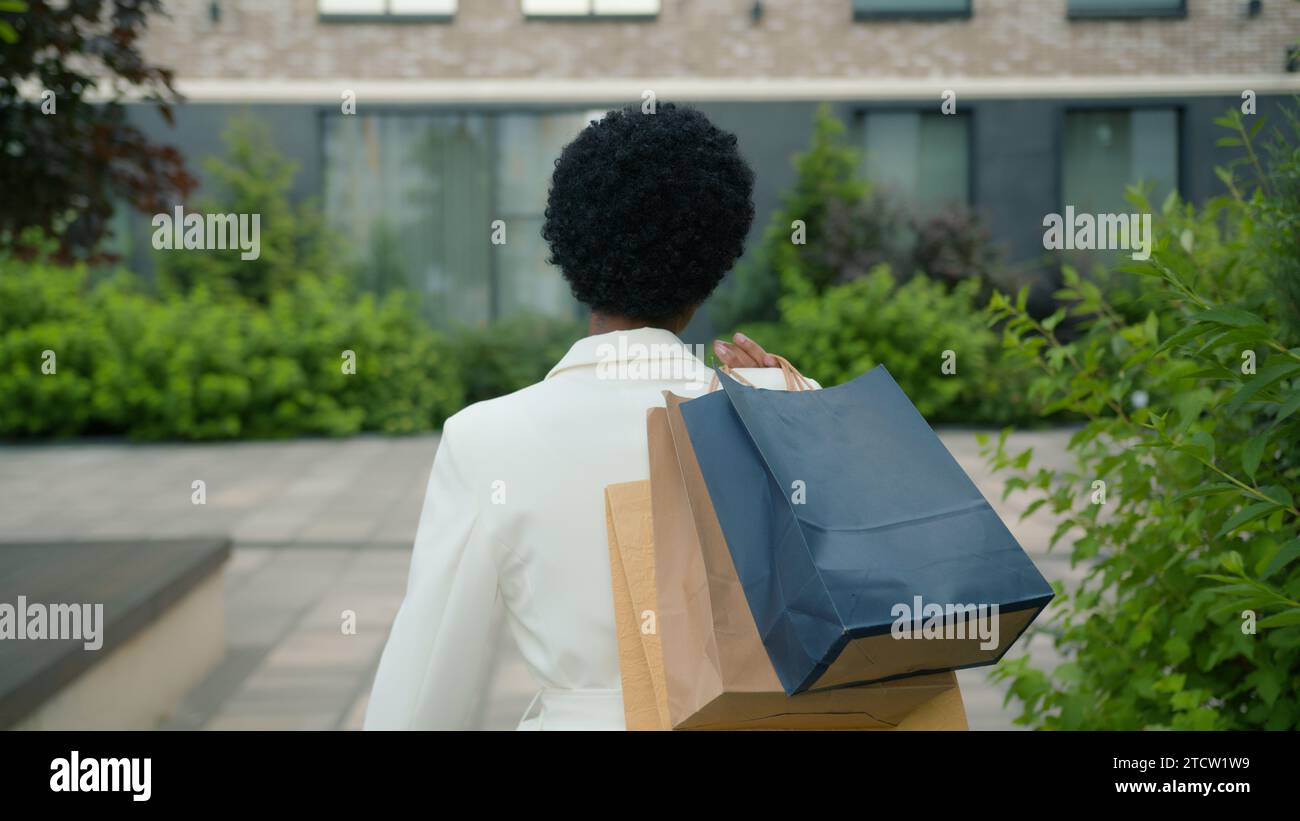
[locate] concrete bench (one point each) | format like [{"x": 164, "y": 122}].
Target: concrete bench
[{"x": 162, "y": 630}]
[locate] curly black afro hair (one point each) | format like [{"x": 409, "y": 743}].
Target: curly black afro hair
[{"x": 647, "y": 212}]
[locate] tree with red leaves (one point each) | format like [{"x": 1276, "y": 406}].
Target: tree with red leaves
[{"x": 67, "y": 152}]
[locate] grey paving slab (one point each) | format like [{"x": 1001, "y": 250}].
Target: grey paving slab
[
  {"x": 206, "y": 700},
  {"x": 270, "y": 492}
]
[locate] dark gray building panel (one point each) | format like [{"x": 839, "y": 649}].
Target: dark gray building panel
[{"x": 1016, "y": 151}]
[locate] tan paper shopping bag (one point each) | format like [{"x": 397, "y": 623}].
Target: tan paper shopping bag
[
  {"x": 631, "y": 565},
  {"x": 707, "y": 661}
]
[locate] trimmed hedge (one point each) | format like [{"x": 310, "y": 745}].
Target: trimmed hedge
[
  {"x": 846, "y": 330},
  {"x": 201, "y": 366}
]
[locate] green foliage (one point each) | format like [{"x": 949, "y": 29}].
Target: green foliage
[
  {"x": 255, "y": 178},
  {"x": 40, "y": 310},
  {"x": 1189, "y": 613},
  {"x": 7, "y": 32},
  {"x": 846, "y": 298},
  {"x": 71, "y": 158},
  {"x": 834, "y": 226},
  {"x": 846, "y": 330},
  {"x": 828, "y": 172},
  {"x": 1279, "y": 210},
  {"x": 233, "y": 348},
  {"x": 511, "y": 353},
  {"x": 209, "y": 365}
]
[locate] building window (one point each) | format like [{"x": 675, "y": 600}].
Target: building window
[
  {"x": 386, "y": 10},
  {"x": 885, "y": 9},
  {"x": 1102, "y": 9},
  {"x": 591, "y": 8},
  {"x": 1107, "y": 150},
  {"x": 416, "y": 195},
  {"x": 526, "y": 147},
  {"x": 922, "y": 156}
]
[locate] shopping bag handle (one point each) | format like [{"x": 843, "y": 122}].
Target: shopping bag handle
[{"x": 794, "y": 381}]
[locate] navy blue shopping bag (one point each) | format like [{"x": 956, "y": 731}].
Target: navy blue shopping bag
[{"x": 865, "y": 551}]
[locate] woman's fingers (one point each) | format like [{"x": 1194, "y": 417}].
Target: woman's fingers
[
  {"x": 732, "y": 356},
  {"x": 761, "y": 358},
  {"x": 743, "y": 352}
]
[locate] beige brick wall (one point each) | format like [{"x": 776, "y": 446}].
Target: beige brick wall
[{"x": 284, "y": 40}]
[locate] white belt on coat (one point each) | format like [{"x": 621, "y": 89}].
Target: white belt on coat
[{"x": 588, "y": 709}]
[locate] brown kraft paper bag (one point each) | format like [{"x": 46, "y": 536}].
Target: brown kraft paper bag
[{"x": 632, "y": 575}]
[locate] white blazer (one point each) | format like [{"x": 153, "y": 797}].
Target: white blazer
[{"x": 515, "y": 505}]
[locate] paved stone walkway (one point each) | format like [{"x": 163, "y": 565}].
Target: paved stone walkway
[{"x": 322, "y": 527}]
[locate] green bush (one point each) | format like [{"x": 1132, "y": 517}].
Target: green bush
[
  {"x": 232, "y": 348},
  {"x": 1189, "y": 615},
  {"x": 511, "y": 353},
  {"x": 860, "y": 290},
  {"x": 1278, "y": 246},
  {"x": 849, "y": 226},
  {"x": 848, "y": 329},
  {"x": 209, "y": 365},
  {"x": 826, "y": 174},
  {"x": 254, "y": 178},
  {"x": 955, "y": 245}
]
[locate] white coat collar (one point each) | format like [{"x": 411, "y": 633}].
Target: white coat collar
[{"x": 627, "y": 346}]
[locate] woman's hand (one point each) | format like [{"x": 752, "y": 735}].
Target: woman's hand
[{"x": 743, "y": 352}]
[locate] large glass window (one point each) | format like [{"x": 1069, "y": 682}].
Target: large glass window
[
  {"x": 1126, "y": 8},
  {"x": 867, "y": 9},
  {"x": 416, "y": 195},
  {"x": 526, "y": 148},
  {"x": 923, "y": 157},
  {"x": 1108, "y": 150}
]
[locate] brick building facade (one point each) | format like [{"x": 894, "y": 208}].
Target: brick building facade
[{"x": 462, "y": 106}]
